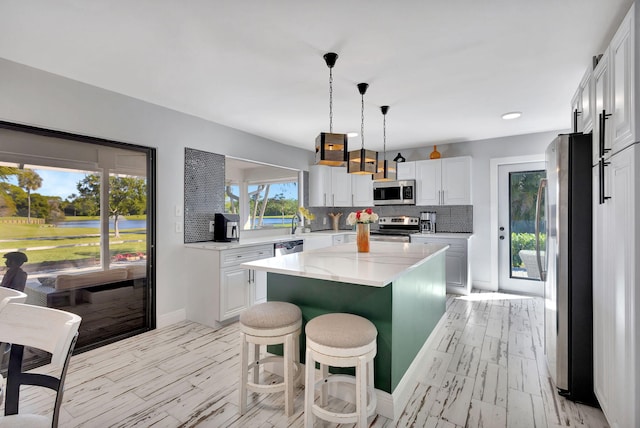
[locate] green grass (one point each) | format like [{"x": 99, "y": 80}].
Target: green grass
[{"x": 13, "y": 236}]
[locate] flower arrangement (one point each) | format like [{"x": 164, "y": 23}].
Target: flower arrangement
[
  {"x": 362, "y": 216},
  {"x": 305, "y": 213}
]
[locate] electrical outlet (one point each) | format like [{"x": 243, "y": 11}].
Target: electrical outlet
[
  {"x": 178, "y": 211},
  {"x": 178, "y": 227},
  {"x": 324, "y": 221},
  {"x": 211, "y": 223}
]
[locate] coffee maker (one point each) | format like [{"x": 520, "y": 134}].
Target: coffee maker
[
  {"x": 428, "y": 222},
  {"x": 226, "y": 227}
]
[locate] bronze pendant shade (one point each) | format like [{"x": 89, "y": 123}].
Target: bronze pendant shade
[
  {"x": 386, "y": 170},
  {"x": 362, "y": 161},
  {"x": 331, "y": 148}
]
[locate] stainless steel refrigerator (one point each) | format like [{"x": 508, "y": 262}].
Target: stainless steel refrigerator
[{"x": 564, "y": 218}]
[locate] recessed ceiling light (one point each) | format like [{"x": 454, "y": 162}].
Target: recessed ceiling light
[
  {"x": 352, "y": 134},
  {"x": 511, "y": 115}
]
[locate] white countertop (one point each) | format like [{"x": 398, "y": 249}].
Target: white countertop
[
  {"x": 443, "y": 235},
  {"x": 386, "y": 262},
  {"x": 247, "y": 242}
]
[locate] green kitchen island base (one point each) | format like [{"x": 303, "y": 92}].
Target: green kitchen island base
[{"x": 405, "y": 311}]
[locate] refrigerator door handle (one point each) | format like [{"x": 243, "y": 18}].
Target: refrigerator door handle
[{"x": 541, "y": 187}]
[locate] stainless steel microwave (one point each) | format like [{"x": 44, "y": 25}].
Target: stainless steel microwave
[{"x": 402, "y": 192}]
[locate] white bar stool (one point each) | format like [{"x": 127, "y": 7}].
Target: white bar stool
[
  {"x": 340, "y": 340},
  {"x": 270, "y": 323}
]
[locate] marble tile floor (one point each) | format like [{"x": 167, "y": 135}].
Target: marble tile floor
[{"x": 485, "y": 369}]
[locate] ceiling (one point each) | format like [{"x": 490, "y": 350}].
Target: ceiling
[{"x": 447, "y": 69}]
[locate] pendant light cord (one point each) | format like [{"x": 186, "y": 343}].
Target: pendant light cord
[
  {"x": 362, "y": 121},
  {"x": 331, "y": 100},
  {"x": 384, "y": 137}
]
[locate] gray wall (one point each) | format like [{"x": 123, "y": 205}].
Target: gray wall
[
  {"x": 33, "y": 97},
  {"x": 482, "y": 152},
  {"x": 38, "y": 98}
]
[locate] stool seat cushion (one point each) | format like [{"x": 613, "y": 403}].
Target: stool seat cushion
[
  {"x": 340, "y": 330},
  {"x": 271, "y": 315}
]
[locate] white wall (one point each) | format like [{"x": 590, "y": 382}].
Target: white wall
[
  {"x": 33, "y": 97},
  {"x": 482, "y": 152}
]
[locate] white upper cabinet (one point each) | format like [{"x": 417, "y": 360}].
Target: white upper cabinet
[
  {"x": 341, "y": 187},
  {"x": 329, "y": 186},
  {"x": 429, "y": 182},
  {"x": 602, "y": 106},
  {"x": 622, "y": 74},
  {"x": 361, "y": 190},
  {"x": 406, "y": 170},
  {"x": 444, "y": 181},
  {"x": 582, "y": 104}
]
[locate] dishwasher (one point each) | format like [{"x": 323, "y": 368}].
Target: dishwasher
[{"x": 288, "y": 247}]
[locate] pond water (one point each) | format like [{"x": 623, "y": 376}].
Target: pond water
[{"x": 122, "y": 224}]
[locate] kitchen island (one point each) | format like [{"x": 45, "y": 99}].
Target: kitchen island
[{"x": 400, "y": 287}]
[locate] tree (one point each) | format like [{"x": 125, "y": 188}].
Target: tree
[
  {"x": 29, "y": 180},
  {"x": 127, "y": 196},
  {"x": 7, "y": 204}
]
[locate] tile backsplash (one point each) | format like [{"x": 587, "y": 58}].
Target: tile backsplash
[
  {"x": 204, "y": 178},
  {"x": 449, "y": 218}
]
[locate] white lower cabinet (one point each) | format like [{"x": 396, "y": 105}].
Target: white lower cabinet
[
  {"x": 219, "y": 289},
  {"x": 616, "y": 298},
  {"x": 458, "y": 273}
]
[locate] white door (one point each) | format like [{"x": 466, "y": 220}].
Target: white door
[{"x": 517, "y": 192}]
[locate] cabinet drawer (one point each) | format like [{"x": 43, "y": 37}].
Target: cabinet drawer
[
  {"x": 455, "y": 245},
  {"x": 246, "y": 254}
]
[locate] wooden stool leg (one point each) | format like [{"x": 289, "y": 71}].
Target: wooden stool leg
[
  {"x": 288, "y": 375},
  {"x": 244, "y": 372},
  {"x": 309, "y": 389},
  {"x": 361, "y": 392},
  {"x": 324, "y": 389},
  {"x": 296, "y": 358},
  {"x": 256, "y": 366}
]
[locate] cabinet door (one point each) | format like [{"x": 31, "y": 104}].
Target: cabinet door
[
  {"x": 602, "y": 106},
  {"x": 602, "y": 313},
  {"x": 621, "y": 282},
  {"x": 340, "y": 187},
  {"x": 622, "y": 75},
  {"x": 456, "y": 181},
  {"x": 361, "y": 190},
  {"x": 319, "y": 185},
  {"x": 428, "y": 182},
  {"x": 234, "y": 292},
  {"x": 582, "y": 103},
  {"x": 576, "y": 111},
  {"x": 406, "y": 170},
  {"x": 259, "y": 283},
  {"x": 456, "y": 270}
]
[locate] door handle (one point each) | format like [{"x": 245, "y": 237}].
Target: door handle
[
  {"x": 541, "y": 187},
  {"x": 602, "y": 119},
  {"x": 576, "y": 113},
  {"x": 601, "y": 166}
]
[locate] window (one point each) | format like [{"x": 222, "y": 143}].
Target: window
[
  {"x": 81, "y": 210},
  {"x": 264, "y": 196}
]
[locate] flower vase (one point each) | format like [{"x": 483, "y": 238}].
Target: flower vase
[{"x": 362, "y": 237}]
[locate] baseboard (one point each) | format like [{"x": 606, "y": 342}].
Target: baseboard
[
  {"x": 485, "y": 285},
  {"x": 165, "y": 320}
]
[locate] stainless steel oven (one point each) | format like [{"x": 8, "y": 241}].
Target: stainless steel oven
[
  {"x": 395, "y": 229},
  {"x": 402, "y": 192}
]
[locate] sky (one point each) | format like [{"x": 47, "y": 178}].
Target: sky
[
  {"x": 63, "y": 184},
  {"x": 56, "y": 183}
]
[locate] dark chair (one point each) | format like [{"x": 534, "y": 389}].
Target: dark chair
[{"x": 49, "y": 330}]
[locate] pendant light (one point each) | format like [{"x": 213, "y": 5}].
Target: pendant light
[
  {"x": 362, "y": 161},
  {"x": 386, "y": 170},
  {"x": 331, "y": 149}
]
